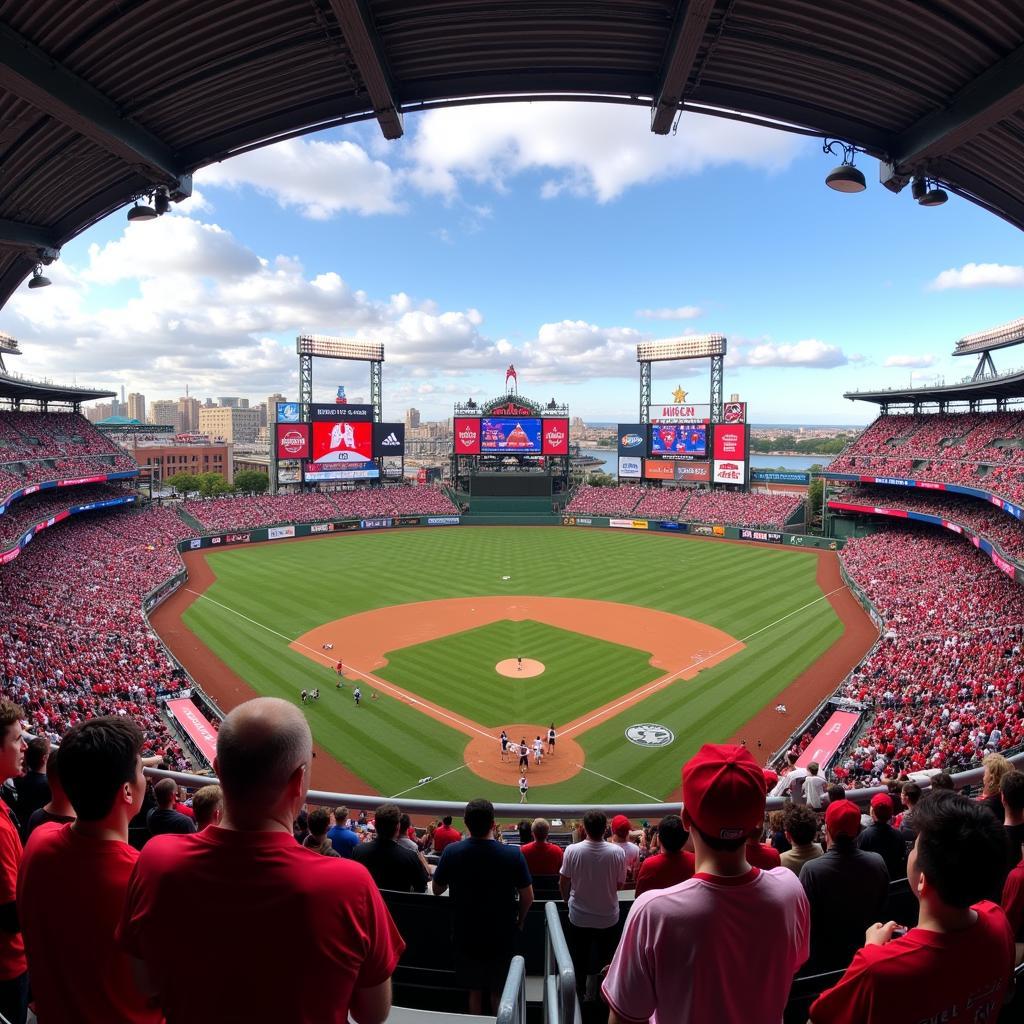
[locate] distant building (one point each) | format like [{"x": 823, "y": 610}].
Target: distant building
[
  {"x": 412, "y": 418},
  {"x": 188, "y": 413},
  {"x": 237, "y": 426},
  {"x": 137, "y": 407},
  {"x": 164, "y": 411},
  {"x": 230, "y": 403},
  {"x": 159, "y": 460}
]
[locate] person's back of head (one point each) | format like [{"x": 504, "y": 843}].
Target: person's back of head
[
  {"x": 99, "y": 768},
  {"x": 404, "y": 824},
  {"x": 479, "y": 818},
  {"x": 881, "y": 808},
  {"x": 340, "y": 816},
  {"x": 264, "y": 750},
  {"x": 318, "y": 823},
  {"x": 960, "y": 851},
  {"x": 166, "y": 791},
  {"x": 541, "y": 829},
  {"x": 842, "y": 824},
  {"x": 911, "y": 793},
  {"x": 36, "y": 754},
  {"x": 836, "y": 793},
  {"x": 800, "y": 824},
  {"x": 724, "y": 798},
  {"x": 942, "y": 780},
  {"x": 672, "y": 833},
  {"x": 207, "y": 806},
  {"x": 812, "y": 768},
  {"x": 1012, "y": 792},
  {"x": 447, "y": 821},
  {"x": 791, "y": 759},
  {"x": 59, "y": 803},
  {"x": 525, "y": 832},
  {"x": 386, "y": 821},
  {"x": 594, "y": 824}
]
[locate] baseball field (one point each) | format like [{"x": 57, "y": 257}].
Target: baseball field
[{"x": 698, "y": 640}]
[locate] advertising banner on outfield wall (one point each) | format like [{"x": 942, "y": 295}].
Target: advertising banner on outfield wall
[
  {"x": 442, "y": 520},
  {"x": 628, "y": 524},
  {"x": 763, "y": 536},
  {"x": 280, "y": 532},
  {"x": 467, "y": 436},
  {"x": 631, "y": 468},
  {"x": 632, "y": 439}
]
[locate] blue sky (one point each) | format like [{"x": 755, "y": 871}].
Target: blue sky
[{"x": 549, "y": 235}]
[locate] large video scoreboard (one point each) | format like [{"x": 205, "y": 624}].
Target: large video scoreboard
[{"x": 511, "y": 435}]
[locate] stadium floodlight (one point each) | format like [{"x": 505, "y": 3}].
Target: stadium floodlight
[
  {"x": 1011, "y": 333},
  {"x": 338, "y": 348},
  {"x": 697, "y": 346}
]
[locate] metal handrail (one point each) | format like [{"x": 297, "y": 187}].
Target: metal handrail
[
  {"x": 561, "y": 1004},
  {"x": 512, "y": 1005}
]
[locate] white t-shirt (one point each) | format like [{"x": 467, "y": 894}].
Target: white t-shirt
[
  {"x": 690, "y": 950},
  {"x": 596, "y": 869},
  {"x": 814, "y": 790},
  {"x": 632, "y": 853}
]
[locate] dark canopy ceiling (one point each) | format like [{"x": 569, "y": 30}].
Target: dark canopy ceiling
[{"x": 101, "y": 100}]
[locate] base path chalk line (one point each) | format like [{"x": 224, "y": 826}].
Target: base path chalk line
[
  {"x": 659, "y": 684},
  {"x": 624, "y": 785},
  {"x": 432, "y": 778},
  {"x": 464, "y": 725}
]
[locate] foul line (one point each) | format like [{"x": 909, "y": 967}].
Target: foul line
[
  {"x": 461, "y": 723},
  {"x": 427, "y": 782},
  {"x": 625, "y": 785},
  {"x": 659, "y": 684}
]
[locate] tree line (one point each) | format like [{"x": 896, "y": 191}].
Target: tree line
[{"x": 211, "y": 485}]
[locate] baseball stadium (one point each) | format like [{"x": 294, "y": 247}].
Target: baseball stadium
[{"x": 711, "y": 677}]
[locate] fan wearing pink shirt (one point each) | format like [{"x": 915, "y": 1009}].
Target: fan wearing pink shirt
[{"x": 685, "y": 954}]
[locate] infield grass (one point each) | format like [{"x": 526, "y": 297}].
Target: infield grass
[{"x": 269, "y": 594}]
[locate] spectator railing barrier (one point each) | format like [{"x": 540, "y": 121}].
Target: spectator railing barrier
[
  {"x": 512, "y": 1005},
  {"x": 561, "y": 1004}
]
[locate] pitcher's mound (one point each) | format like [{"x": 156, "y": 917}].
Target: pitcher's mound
[{"x": 510, "y": 667}]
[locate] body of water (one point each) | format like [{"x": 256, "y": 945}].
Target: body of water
[{"x": 791, "y": 462}]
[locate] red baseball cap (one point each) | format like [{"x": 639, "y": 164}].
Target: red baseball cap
[
  {"x": 621, "y": 825},
  {"x": 724, "y": 791},
  {"x": 770, "y": 777},
  {"x": 842, "y": 818},
  {"x": 882, "y": 800}
]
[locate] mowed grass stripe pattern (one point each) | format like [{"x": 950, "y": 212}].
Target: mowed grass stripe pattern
[
  {"x": 292, "y": 587},
  {"x": 458, "y": 673}
]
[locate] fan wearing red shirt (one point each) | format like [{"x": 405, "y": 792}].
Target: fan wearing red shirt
[
  {"x": 673, "y": 865},
  {"x": 956, "y": 964},
  {"x": 13, "y": 968},
  {"x": 542, "y": 857},
  {"x": 445, "y": 835},
  {"x": 73, "y": 879},
  {"x": 312, "y": 931}
]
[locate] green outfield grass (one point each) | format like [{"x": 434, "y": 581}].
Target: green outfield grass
[
  {"x": 269, "y": 594},
  {"x": 458, "y": 672}
]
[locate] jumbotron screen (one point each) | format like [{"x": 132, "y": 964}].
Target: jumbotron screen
[
  {"x": 513, "y": 434},
  {"x": 679, "y": 439}
]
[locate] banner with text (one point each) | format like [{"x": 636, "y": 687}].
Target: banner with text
[{"x": 198, "y": 727}]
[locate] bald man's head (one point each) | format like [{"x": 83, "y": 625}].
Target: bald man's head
[{"x": 259, "y": 746}]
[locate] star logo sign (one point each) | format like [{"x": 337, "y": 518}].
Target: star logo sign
[{"x": 678, "y": 396}]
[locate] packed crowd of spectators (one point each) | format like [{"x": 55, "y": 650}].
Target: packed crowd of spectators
[
  {"x": 73, "y": 639},
  {"x": 729, "y": 508},
  {"x": 976, "y": 514},
  {"x": 981, "y": 450},
  {"x": 37, "y": 508},
  {"x": 312, "y": 507},
  {"x": 944, "y": 683}
]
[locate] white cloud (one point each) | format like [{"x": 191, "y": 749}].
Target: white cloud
[
  {"x": 319, "y": 178},
  {"x": 596, "y": 150},
  {"x": 918, "y": 361},
  {"x": 979, "y": 275},
  {"x": 671, "y": 313},
  {"x": 809, "y": 352}
]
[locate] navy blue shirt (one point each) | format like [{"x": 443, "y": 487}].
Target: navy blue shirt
[
  {"x": 484, "y": 878},
  {"x": 344, "y": 840}
]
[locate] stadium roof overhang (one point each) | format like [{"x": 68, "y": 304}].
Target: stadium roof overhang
[
  {"x": 992, "y": 389},
  {"x": 101, "y": 102},
  {"x": 18, "y": 389}
]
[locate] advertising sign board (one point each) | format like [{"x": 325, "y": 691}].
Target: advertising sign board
[
  {"x": 631, "y": 468},
  {"x": 685, "y": 413},
  {"x": 314, "y": 475},
  {"x": 289, "y": 471},
  {"x": 655, "y": 469},
  {"x": 632, "y": 439},
  {"x": 280, "y": 532},
  {"x": 467, "y": 436},
  {"x": 730, "y": 453},
  {"x": 292, "y": 440},
  {"x": 333, "y": 413},
  {"x": 734, "y": 412},
  {"x": 288, "y": 412},
  {"x": 555, "y": 436},
  {"x": 388, "y": 439},
  {"x": 693, "y": 472},
  {"x": 338, "y": 444}
]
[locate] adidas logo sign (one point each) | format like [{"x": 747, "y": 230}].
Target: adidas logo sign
[{"x": 390, "y": 441}]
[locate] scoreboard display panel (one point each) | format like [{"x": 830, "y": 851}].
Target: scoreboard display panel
[
  {"x": 513, "y": 434},
  {"x": 679, "y": 439}
]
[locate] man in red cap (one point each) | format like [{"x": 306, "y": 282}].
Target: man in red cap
[
  {"x": 956, "y": 964},
  {"x": 847, "y": 889},
  {"x": 881, "y": 838},
  {"x": 621, "y": 827},
  {"x": 685, "y": 953}
]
